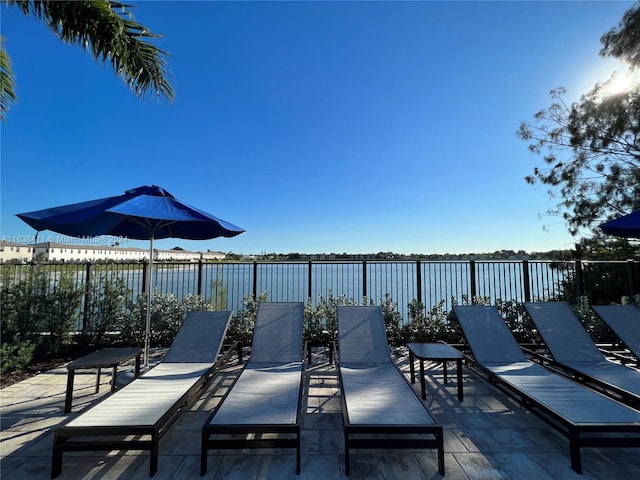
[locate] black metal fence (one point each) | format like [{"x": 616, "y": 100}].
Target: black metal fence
[{"x": 432, "y": 283}]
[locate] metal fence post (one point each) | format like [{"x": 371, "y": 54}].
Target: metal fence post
[
  {"x": 255, "y": 280},
  {"x": 309, "y": 282},
  {"x": 631, "y": 280},
  {"x": 419, "y": 281},
  {"x": 526, "y": 280},
  {"x": 472, "y": 280},
  {"x": 145, "y": 272},
  {"x": 200, "y": 272},
  {"x": 87, "y": 298},
  {"x": 364, "y": 278},
  {"x": 578, "y": 279}
]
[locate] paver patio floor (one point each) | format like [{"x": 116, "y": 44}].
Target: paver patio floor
[{"x": 488, "y": 436}]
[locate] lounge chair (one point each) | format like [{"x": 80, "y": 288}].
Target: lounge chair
[
  {"x": 588, "y": 418},
  {"x": 266, "y": 398},
  {"x": 136, "y": 416},
  {"x": 379, "y": 405},
  {"x": 624, "y": 320},
  {"x": 573, "y": 350}
]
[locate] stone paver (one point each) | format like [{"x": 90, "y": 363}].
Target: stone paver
[{"x": 487, "y": 436}]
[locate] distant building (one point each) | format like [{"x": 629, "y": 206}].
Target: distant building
[
  {"x": 69, "y": 252},
  {"x": 213, "y": 256},
  {"x": 186, "y": 256},
  {"x": 11, "y": 252}
]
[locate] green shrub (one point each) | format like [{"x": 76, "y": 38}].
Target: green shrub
[
  {"x": 24, "y": 306},
  {"x": 392, "y": 321},
  {"x": 34, "y": 305},
  {"x": 416, "y": 328},
  {"x": 166, "y": 317},
  {"x": 108, "y": 308},
  {"x": 16, "y": 356},
  {"x": 219, "y": 292},
  {"x": 320, "y": 322},
  {"x": 61, "y": 306},
  {"x": 167, "y": 314},
  {"x": 594, "y": 326},
  {"x": 433, "y": 326},
  {"x": 242, "y": 323},
  {"x": 196, "y": 303},
  {"x": 518, "y": 321}
]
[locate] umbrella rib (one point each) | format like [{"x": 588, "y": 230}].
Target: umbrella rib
[{"x": 146, "y": 222}]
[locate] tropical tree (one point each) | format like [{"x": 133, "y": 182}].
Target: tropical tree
[
  {"x": 106, "y": 28},
  {"x": 623, "y": 41},
  {"x": 605, "y": 247},
  {"x": 591, "y": 148},
  {"x": 7, "y": 81}
]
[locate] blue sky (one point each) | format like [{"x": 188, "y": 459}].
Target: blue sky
[{"x": 353, "y": 127}]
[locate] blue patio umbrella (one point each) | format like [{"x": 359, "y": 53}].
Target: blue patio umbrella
[
  {"x": 143, "y": 213},
  {"x": 626, "y": 226}
]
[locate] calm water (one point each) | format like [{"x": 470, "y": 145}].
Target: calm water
[
  {"x": 226, "y": 284},
  {"x": 440, "y": 281}
]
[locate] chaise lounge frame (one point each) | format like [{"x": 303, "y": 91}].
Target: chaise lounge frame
[
  {"x": 277, "y": 350},
  {"x": 191, "y": 343},
  {"x": 572, "y": 350},
  {"x": 356, "y": 324},
  {"x": 624, "y": 320},
  {"x": 509, "y": 370}
]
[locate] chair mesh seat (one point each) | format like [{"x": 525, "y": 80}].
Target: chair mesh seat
[
  {"x": 386, "y": 400},
  {"x": 380, "y": 409},
  {"x": 263, "y": 407},
  {"x": 571, "y": 347},
  {"x": 624, "y": 320},
  {"x": 264, "y": 394},
  {"x": 145, "y": 400},
  {"x": 563, "y": 396}
]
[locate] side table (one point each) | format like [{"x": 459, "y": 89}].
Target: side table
[
  {"x": 437, "y": 352},
  {"x": 105, "y": 358}
]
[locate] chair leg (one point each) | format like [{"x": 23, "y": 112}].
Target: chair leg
[
  {"x": 574, "y": 451},
  {"x": 153, "y": 460},
  {"x": 440, "y": 437},
  {"x": 56, "y": 461},
  {"x": 203, "y": 455},
  {"x": 240, "y": 347},
  {"x": 346, "y": 453},
  {"x": 346, "y": 461}
]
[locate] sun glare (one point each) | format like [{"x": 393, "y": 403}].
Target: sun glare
[{"x": 620, "y": 82}]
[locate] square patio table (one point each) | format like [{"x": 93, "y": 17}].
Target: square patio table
[
  {"x": 437, "y": 352},
  {"x": 104, "y": 358}
]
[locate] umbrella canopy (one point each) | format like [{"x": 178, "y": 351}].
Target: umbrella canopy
[
  {"x": 132, "y": 215},
  {"x": 143, "y": 213},
  {"x": 626, "y": 226}
]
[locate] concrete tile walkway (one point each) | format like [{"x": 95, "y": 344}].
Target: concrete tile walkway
[{"x": 488, "y": 436}]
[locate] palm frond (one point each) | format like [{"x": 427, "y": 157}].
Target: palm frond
[
  {"x": 7, "y": 82},
  {"x": 109, "y": 30}
]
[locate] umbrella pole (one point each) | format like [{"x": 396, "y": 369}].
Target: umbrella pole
[{"x": 148, "y": 322}]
